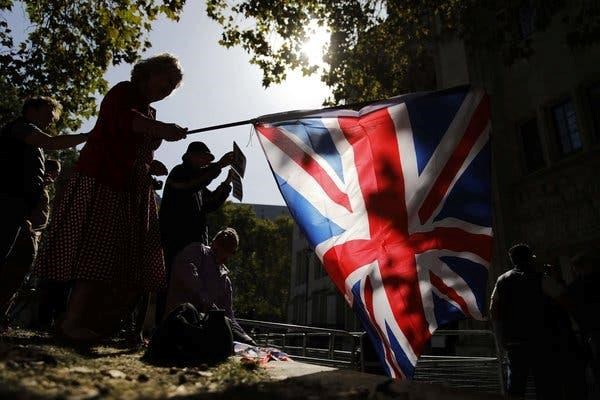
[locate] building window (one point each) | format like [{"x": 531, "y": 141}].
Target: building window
[
  {"x": 532, "y": 147},
  {"x": 594, "y": 99},
  {"x": 565, "y": 123},
  {"x": 526, "y": 20}
]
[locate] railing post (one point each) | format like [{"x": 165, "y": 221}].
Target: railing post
[
  {"x": 362, "y": 352},
  {"x": 303, "y": 344},
  {"x": 499, "y": 356},
  {"x": 329, "y": 355},
  {"x": 283, "y": 341},
  {"x": 331, "y": 345},
  {"x": 353, "y": 352}
]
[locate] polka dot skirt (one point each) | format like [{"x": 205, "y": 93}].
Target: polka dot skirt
[{"x": 99, "y": 234}]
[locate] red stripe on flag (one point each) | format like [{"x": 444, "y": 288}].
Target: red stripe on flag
[
  {"x": 475, "y": 129},
  {"x": 449, "y": 292},
  {"x": 340, "y": 261},
  {"x": 453, "y": 239},
  {"x": 400, "y": 282},
  {"x": 378, "y": 163},
  {"x": 397, "y": 266},
  {"x": 307, "y": 163}
]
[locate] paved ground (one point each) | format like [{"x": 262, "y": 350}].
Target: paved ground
[{"x": 32, "y": 366}]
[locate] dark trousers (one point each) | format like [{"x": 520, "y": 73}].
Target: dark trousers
[
  {"x": 17, "y": 265},
  {"x": 54, "y": 296},
  {"x": 526, "y": 360},
  {"x": 12, "y": 217}
]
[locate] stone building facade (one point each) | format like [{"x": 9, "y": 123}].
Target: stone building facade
[{"x": 546, "y": 147}]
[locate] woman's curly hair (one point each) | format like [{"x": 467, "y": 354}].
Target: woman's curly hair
[{"x": 160, "y": 63}]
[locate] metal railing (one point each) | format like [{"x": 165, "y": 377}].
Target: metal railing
[
  {"x": 478, "y": 373},
  {"x": 322, "y": 346},
  {"x": 343, "y": 349}
]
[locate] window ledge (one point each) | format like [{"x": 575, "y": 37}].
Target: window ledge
[{"x": 579, "y": 157}]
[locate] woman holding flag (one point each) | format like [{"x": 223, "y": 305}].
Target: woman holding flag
[{"x": 104, "y": 234}]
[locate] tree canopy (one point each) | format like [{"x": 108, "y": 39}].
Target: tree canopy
[
  {"x": 67, "y": 48},
  {"x": 379, "y": 48}
]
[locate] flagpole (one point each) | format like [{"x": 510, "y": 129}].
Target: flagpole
[
  {"x": 283, "y": 116},
  {"x": 222, "y": 126}
]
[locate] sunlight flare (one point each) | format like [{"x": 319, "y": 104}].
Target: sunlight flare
[{"x": 316, "y": 43}]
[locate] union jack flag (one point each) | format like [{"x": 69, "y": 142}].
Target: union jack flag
[{"x": 395, "y": 200}]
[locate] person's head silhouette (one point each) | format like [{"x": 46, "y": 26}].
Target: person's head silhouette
[{"x": 522, "y": 257}]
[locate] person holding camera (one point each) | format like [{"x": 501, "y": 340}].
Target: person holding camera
[
  {"x": 187, "y": 200},
  {"x": 104, "y": 235},
  {"x": 518, "y": 318},
  {"x": 186, "y": 203}
]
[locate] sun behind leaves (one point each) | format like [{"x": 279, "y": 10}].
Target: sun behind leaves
[{"x": 381, "y": 48}]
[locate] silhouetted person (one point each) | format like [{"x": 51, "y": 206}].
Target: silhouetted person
[
  {"x": 22, "y": 160},
  {"x": 186, "y": 202},
  {"x": 566, "y": 350},
  {"x": 104, "y": 233},
  {"x": 186, "y": 199},
  {"x": 200, "y": 277},
  {"x": 25, "y": 248},
  {"x": 517, "y": 310},
  {"x": 582, "y": 299},
  {"x": 22, "y": 145}
]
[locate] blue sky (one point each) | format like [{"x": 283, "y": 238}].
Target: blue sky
[{"x": 219, "y": 86}]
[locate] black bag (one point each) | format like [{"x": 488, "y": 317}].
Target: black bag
[{"x": 187, "y": 337}]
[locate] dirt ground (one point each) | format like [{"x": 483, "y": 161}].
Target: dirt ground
[{"x": 32, "y": 366}]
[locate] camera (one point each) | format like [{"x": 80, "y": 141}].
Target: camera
[{"x": 156, "y": 184}]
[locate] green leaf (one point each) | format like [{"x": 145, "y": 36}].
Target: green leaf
[
  {"x": 69, "y": 48},
  {"x": 380, "y": 48}
]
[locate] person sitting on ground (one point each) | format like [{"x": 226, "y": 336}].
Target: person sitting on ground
[
  {"x": 104, "y": 235},
  {"x": 200, "y": 277},
  {"x": 186, "y": 202}
]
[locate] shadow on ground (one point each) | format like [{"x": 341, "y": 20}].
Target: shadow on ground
[
  {"x": 32, "y": 366},
  {"x": 341, "y": 384}
]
